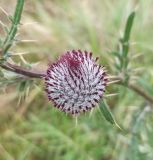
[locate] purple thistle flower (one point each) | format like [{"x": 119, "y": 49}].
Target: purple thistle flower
[{"x": 75, "y": 83}]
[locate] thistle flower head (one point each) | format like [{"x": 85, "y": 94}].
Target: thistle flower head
[{"x": 75, "y": 83}]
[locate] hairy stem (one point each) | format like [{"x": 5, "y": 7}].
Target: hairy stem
[
  {"x": 139, "y": 90},
  {"x": 22, "y": 71}
]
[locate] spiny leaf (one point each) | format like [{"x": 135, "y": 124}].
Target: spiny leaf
[
  {"x": 128, "y": 27},
  {"x": 127, "y": 32},
  {"x": 13, "y": 30},
  {"x": 104, "y": 108},
  {"x": 17, "y": 15}
]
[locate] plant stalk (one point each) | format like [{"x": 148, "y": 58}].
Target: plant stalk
[
  {"x": 139, "y": 90},
  {"x": 22, "y": 71},
  {"x": 13, "y": 30}
]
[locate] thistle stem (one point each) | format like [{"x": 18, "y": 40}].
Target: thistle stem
[
  {"x": 13, "y": 30},
  {"x": 22, "y": 71},
  {"x": 139, "y": 90}
]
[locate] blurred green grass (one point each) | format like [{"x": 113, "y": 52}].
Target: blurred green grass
[{"x": 34, "y": 129}]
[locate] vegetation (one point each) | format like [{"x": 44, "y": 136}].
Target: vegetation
[{"x": 120, "y": 34}]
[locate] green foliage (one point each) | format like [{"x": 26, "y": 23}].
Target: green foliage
[
  {"x": 106, "y": 112},
  {"x": 122, "y": 54},
  {"x": 127, "y": 32}
]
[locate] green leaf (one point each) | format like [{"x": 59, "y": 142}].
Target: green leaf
[
  {"x": 128, "y": 27},
  {"x": 127, "y": 32},
  {"x": 104, "y": 108}
]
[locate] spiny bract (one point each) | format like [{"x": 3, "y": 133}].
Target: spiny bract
[{"x": 75, "y": 83}]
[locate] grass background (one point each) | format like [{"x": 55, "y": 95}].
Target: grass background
[{"x": 31, "y": 128}]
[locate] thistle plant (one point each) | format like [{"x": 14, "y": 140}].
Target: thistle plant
[{"x": 76, "y": 82}]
